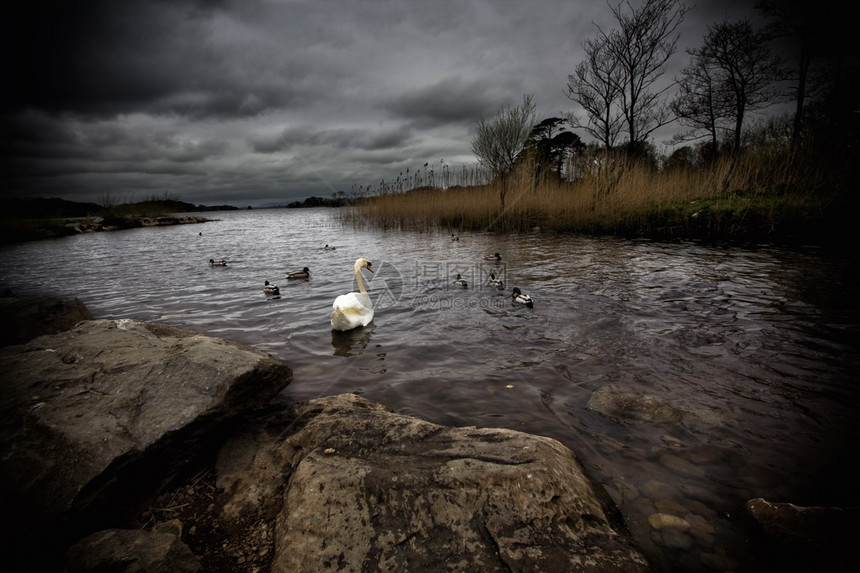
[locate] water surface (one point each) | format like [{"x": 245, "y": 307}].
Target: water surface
[{"x": 686, "y": 378}]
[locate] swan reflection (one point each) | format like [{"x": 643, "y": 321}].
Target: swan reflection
[{"x": 351, "y": 342}]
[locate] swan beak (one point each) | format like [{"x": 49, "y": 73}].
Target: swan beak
[{"x": 369, "y": 267}]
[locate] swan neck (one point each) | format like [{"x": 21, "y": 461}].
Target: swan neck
[{"x": 360, "y": 280}]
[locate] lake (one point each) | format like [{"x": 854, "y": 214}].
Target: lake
[{"x": 686, "y": 378}]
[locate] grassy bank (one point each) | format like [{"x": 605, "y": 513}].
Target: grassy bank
[{"x": 754, "y": 197}]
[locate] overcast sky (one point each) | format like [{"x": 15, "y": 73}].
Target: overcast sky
[{"x": 261, "y": 102}]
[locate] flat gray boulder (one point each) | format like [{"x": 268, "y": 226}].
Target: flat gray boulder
[
  {"x": 97, "y": 418},
  {"x": 369, "y": 489},
  {"x": 22, "y": 319}
]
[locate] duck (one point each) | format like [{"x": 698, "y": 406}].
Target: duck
[
  {"x": 493, "y": 281},
  {"x": 329, "y": 248},
  {"x": 305, "y": 273},
  {"x": 522, "y": 298},
  {"x": 214, "y": 263},
  {"x": 460, "y": 281},
  {"x": 269, "y": 288},
  {"x": 497, "y": 257},
  {"x": 353, "y": 309}
]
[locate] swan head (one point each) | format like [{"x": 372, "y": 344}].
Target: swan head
[{"x": 363, "y": 263}]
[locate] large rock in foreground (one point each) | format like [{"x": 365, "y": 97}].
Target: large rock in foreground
[
  {"x": 95, "y": 419},
  {"x": 22, "y": 319},
  {"x": 373, "y": 490},
  {"x": 129, "y": 446}
]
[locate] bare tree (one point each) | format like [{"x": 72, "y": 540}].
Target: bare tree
[
  {"x": 595, "y": 86},
  {"x": 497, "y": 143},
  {"x": 818, "y": 44},
  {"x": 642, "y": 44},
  {"x": 700, "y": 104},
  {"x": 744, "y": 68},
  {"x": 798, "y": 19}
]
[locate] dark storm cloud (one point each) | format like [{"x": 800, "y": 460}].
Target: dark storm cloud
[
  {"x": 342, "y": 138},
  {"x": 273, "y": 100},
  {"x": 36, "y": 135},
  {"x": 96, "y": 57},
  {"x": 450, "y": 100},
  {"x": 104, "y": 58}
]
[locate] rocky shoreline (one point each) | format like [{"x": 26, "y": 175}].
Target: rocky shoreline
[
  {"x": 132, "y": 446},
  {"x": 98, "y": 224},
  {"x": 18, "y": 231}
]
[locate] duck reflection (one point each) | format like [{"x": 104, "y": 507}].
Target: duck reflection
[{"x": 351, "y": 342}]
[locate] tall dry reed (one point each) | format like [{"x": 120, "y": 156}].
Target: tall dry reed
[{"x": 626, "y": 198}]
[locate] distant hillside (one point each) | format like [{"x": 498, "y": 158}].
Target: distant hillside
[
  {"x": 54, "y": 208},
  {"x": 174, "y": 206},
  {"x": 46, "y": 208}
]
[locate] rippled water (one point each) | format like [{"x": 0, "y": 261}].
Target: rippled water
[{"x": 686, "y": 378}]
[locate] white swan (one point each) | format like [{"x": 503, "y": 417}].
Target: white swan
[
  {"x": 522, "y": 298},
  {"x": 353, "y": 309}
]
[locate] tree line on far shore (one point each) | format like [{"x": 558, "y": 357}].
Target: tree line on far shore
[
  {"x": 797, "y": 56},
  {"x": 789, "y": 175}
]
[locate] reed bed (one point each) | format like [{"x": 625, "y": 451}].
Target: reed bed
[{"x": 741, "y": 197}]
